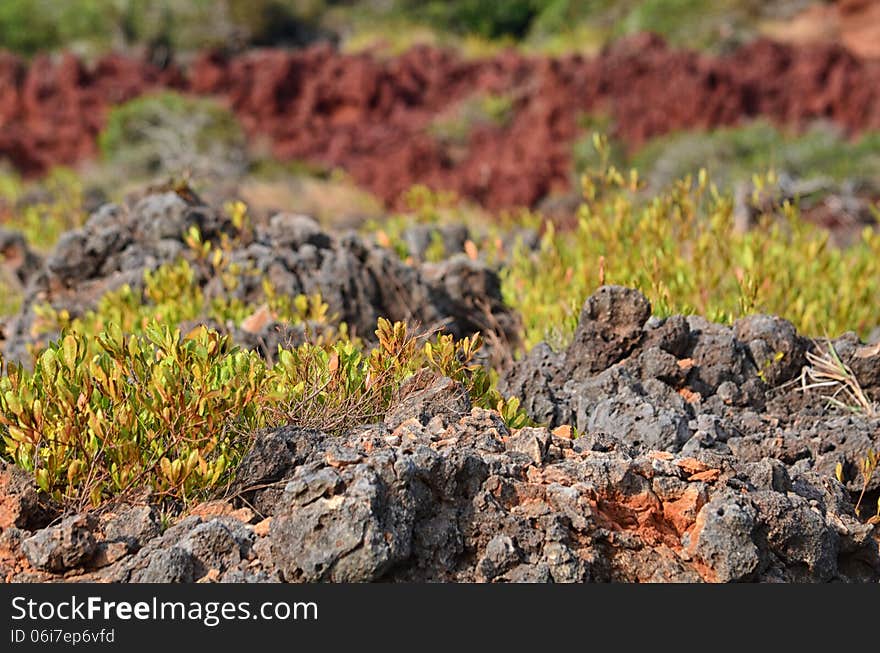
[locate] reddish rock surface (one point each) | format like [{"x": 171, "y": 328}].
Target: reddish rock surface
[
  {"x": 52, "y": 110},
  {"x": 369, "y": 115}
]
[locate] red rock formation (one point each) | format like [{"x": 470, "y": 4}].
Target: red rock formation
[{"x": 370, "y": 115}]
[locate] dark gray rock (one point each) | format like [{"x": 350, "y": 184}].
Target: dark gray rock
[
  {"x": 420, "y": 238},
  {"x": 354, "y": 535},
  {"x": 684, "y": 384},
  {"x": 160, "y": 216},
  {"x": 219, "y": 544},
  {"x": 173, "y": 565},
  {"x": 21, "y": 504},
  {"x": 672, "y": 335},
  {"x": 533, "y": 380},
  {"x": 273, "y": 456},
  {"x": 475, "y": 502},
  {"x": 638, "y": 421},
  {"x": 610, "y": 327},
  {"x": 863, "y": 360},
  {"x": 776, "y": 349},
  {"x": 294, "y": 230},
  {"x": 134, "y": 525},
  {"x": 533, "y": 442},
  {"x": 725, "y": 538},
  {"x": 796, "y": 532},
  {"x": 62, "y": 547},
  {"x": 499, "y": 556}
]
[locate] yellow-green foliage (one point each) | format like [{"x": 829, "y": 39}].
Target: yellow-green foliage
[
  {"x": 104, "y": 415},
  {"x": 42, "y": 222},
  {"x": 681, "y": 249},
  {"x": 101, "y": 416},
  {"x": 171, "y": 296},
  {"x": 341, "y": 385},
  {"x": 457, "y": 360}
]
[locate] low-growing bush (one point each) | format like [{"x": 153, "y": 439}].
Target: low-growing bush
[
  {"x": 456, "y": 125},
  {"x": 99, "y": 417},
  {"x": 172, "y": 134},
  {"x": 29, "y": 26},
  {"x": 734, "y": 154},
  {"x": 681, "y": 249},
  {"x": 713, "y": 25},
  {"x": 488, "y": 19},
  {"x": 107, "y": 415},
  {"x": 43, "y": 210},
  {"x": 343, "y": 385},
  {"x": 93, "y": 26}
]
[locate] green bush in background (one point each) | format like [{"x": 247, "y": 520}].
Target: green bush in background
[
  {"x": 733, "y": 154},
  {"x": 29, "y": 26},
  {"x": 172, "y": 134},
  {"x": 93, "y": 26},
  {"x": 512, "y": 18}
]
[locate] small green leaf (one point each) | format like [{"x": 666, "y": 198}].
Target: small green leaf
[{"x": 70, "y": 348}]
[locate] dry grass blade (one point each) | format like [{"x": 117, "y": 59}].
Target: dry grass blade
[
  {"x": 827, "y": 370},
  {"x": 335, "y": 401}
]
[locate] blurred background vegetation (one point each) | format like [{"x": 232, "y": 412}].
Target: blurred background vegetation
[
  {"x": 93, "y": 26},
  {"x": 171, "y": 135}
]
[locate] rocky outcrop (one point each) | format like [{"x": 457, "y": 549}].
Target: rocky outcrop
[
  {"x": 693, "y": 459},
  {"x": 358, "y": 280},
  {"x": 465, "y": 499},
  {"x": 685, "y": 385}
]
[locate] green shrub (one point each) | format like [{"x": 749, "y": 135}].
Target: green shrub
[
  {"x": 733, "y": 154},
  {"x": 123, "y": 400},
  {"x": 107, "y": 415},
  {"x": 173, "y": 134},
  {"x": 695, "y": 23},
  {"x": 680, "y": 248},
  {"x": 340, "y": 386},
  {"x": 29, "y": 26},
  {"x": 188, "y": 25},
  {"x": 151, "y": 407},
  {"x": 58, "y": 207},
  {"x": 455, "y": 126},
  {"x": 487, "y": 19}
]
